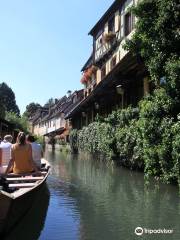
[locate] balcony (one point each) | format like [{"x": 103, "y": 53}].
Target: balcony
[
  {"x": 89, "y": 77},
  {"x": 110, "y": 42}
]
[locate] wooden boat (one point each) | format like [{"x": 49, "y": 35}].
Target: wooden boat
[
  {"x": 16, "y": 194},
  {"x": 32, "y": 223}
]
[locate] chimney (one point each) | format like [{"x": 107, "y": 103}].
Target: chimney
[{"x": 69, "y": 93}]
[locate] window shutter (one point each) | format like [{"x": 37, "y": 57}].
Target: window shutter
[
  {"x": 106, "y": 28},
  {"x": 122, "y": 25},
  {"x": 117, "y": 21}
]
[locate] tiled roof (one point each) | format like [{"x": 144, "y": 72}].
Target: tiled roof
[{"x": 63, "y": 105}]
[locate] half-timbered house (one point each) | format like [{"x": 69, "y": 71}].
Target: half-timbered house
[{"x": 112, "y": 77}]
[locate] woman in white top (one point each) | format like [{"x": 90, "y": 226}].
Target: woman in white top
[
  {"x": 37, "y": 152},
  {"x": 5, "y": 152}
]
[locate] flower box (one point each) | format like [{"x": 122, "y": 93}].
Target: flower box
[{"x": 108, "y": 37}]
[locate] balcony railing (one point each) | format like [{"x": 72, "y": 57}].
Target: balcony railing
[{"x": 107, "y": 47}]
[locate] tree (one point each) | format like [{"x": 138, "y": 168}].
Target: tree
[
  {"x": 49, "y": 103},
  {"x": 7, "y": 99},
  {"x": 20, "y": 123},
  {"x": 2, "y": 111},
  {"x": 156, "y": 40},
  {"x": 31, "y": 109}
]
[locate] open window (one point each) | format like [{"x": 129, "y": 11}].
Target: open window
[
  {"x": 129, "y": 23},
  {"x": 103, "y": 71},
  {"x": 111, "y": 25},
  {"x": 113, "y": 62}
]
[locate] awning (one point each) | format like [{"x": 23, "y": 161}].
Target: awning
[{"x": 55, "y": 132}]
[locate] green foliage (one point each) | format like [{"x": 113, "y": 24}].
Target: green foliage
[
  {"x": 100, "y": 136},
  {"x": 142, "y": 138},
  {"x": 20, "y": 123},
  {"x": 156, "y": 40},
  {"x": 126, "y": 136},
  {"x": 40, "y": 140},
  {"x": 31, "y": 109},
  {"x": 106, "y": 139},
  {"x": 61, "y": 141},
  {"x": 73, "y": 140},
  {"x": 129, "y": 145},
  {"x": 155, "y": 123},
  {"x": 122, "y": 117},
  {"x": 172, "y": 72},
  {"x": 50, "y": 103},
  {"x": 157, "y": 105},
  {"x": 176, "y": 150},
  {"x": 7, "y": 100},
  {"x": 97, "y": 138},
  {"x": 2, "y": 111}
]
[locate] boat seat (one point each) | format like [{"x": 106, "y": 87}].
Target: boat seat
[
  {"x": 13, "y": 175},
  {"x": 21, "y": 185},
  {"x": 23, "y": 179}
]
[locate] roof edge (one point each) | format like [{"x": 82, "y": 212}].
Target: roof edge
[{"x": 104, "y": 16}]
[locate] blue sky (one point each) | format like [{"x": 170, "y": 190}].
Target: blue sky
[{"x": 44, "y": 44}]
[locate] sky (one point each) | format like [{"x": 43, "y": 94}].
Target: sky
[{"x": 44, "y": 44}]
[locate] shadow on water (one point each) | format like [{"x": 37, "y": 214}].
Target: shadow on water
[{"x": 29, "y": 227}]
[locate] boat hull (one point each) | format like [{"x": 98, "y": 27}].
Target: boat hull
[
  {"x": 15, "y": 205},
  {"x": 5, "y": 203},
  {"x": 16, "y": 209}
]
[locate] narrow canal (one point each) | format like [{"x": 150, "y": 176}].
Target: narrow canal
[{"x": 91, "y": 200}]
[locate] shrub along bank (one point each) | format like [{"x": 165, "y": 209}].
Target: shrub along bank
[{"x": 147, "y": 137}]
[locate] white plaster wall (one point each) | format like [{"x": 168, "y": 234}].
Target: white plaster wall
[{"x": 98, "y": 76}]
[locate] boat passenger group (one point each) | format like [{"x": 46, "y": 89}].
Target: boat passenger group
[{"x": 22, "y": 157}]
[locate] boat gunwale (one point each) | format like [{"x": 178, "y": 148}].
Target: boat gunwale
[{"x": 39, "y": 182}]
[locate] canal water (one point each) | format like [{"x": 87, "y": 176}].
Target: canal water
[{"x": 86, "y": 199}]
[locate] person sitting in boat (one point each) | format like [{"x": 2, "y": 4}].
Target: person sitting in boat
[
  {"x": 21, "y": 161},
  {"x": 37, "y": 152},
  {"x": 5, "y": 151}
]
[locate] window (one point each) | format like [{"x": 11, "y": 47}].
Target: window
[
  {"x": 99, "y": 42},
  {"x": 99, "y": 34},
  {"x": 103, "y": 72},
  {"x": 128, "y": 23},
  {"x": 113, "y": 62},
  {"x": 75, "y": 99},
  {"x": 85, "y": 94},
  {"x": 111, "y": 25}
]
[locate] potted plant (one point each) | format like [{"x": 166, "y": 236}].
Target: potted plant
[
  {"x": 94, "y": 69},
  {"x": 108, "y": 37},
  {"x": 88, "y": 73},
  {"x": 83, "y": 80}
]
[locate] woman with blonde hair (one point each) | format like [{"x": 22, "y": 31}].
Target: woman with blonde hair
[{"x": 21, "y": 153}]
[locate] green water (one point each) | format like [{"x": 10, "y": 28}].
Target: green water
[{"x": 93, "y": 200}]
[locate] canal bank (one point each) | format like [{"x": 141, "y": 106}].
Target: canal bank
[{"x": 90, "y": 200}]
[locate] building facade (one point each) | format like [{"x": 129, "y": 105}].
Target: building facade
[
  {"x": 50, "y": 122},
  {"x": 112, "y": 77}
]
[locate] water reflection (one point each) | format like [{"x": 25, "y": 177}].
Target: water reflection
[
  {"x": 31, "y": 225},
  {"x": 109, "y": 203}
]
